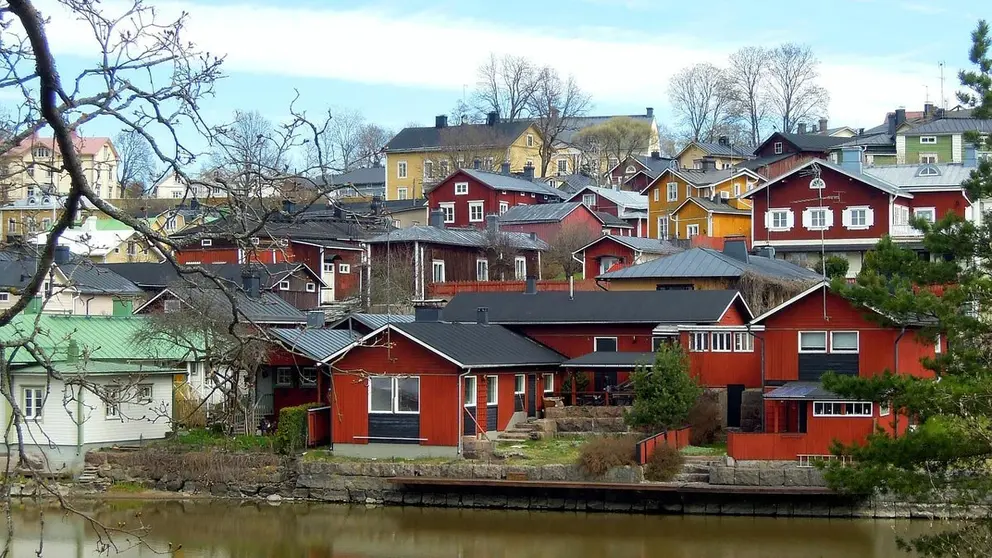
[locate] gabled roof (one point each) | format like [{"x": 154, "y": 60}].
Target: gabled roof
[
  {"x": 161, "y": 275},
  {"x": 500, "y": 134},
  {"x": 457, "y": 237},
  {"x": 610, "y": 360},
  {"x": 87, "y": 278},
  {"x": 267, "y": 308},
  {"x": 706, "y": 262},
  {"x": 315, "y": 227},
  {"x": 804, "y": 142},
  {"x": 319, "y": 344},
  {"x": 650, "y": 307},
  {"x": 638, "y": 244},
  {"x": 370, "y": 175},
  {"x": 499, "y": 181},
  {"x": 83, "y": 145},
  {"x": 755, "y": 164},
  {"x": 375, "y": 321},
  {"x": 700, "y": 178},
  {"x": 387, "y": 207},
  {"x": 570, "y": 183},
  {"x": 610, "y": 220},
  {"x": 865, "y": 178},
  {"x": 712, "y": 206},
  {"x": 471, "y": 345},
  {"x": 541, "y": 213},
  {"x": 631, "y": 200},
  {"x": 716, "y": 149},
  {"x": 649, "y": 164},
  {"x": 883, "y": 139}
]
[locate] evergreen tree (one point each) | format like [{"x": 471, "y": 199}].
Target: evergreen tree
[
  {"x": 663, "y": 393},
  {"x": 949, "y": 453}
]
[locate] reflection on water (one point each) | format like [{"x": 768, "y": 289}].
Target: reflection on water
[{"x": 226, "y": 530}]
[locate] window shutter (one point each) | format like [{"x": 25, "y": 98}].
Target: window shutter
[
  {"x": 768, "y": 219},
  {"x": 807, "y": 218},
  {"x": 845, "y": 218},
  {"x": 830, "y": 218},
  {"x": 790, "y": 219},
  {"x": 870, "y": 217}
]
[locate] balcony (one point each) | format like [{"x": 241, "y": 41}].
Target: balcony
[{"x": 905, "y": 231}]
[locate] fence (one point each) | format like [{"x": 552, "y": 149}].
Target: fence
[
  {"x": 451, "y": 288},
  {"x": 676, "y": 439}
]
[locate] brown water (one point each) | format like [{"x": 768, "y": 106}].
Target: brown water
[{"x": 224, "y": 530}]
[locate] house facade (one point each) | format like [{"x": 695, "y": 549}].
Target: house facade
[
  {"x": 548, "y": 221},
  {"x": 34, "y": 168},
  {"x": 571, "y": 158},
  {"x": 609, "y": 252},
  {"x": 939, "y": 141},
  {"x": 637, "y": 171},
  {"x": 467, "y": 196},
  {"x": 670, "y": 190},
  {"x": 782, "y": 152},
  {"x": 630, "y": 207},
  {"x": 719, "y": 155}
]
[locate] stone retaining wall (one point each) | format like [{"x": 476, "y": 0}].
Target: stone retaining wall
[{"x": 765, "y": 473}]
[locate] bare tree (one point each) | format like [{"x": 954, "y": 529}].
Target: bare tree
[
  {"x": 747, "y": 78},
  {"x": 558, "y": 260},
  {"x": 794, "y": 92},
  {"x": 618, "y": 138},
  {"x": 344, "y": 137},
  {"x": 668, "y": 143},
  {"x": 372, "y": 140},
  {"x": 501, "y": 252},
  {"x": 135, "y": 163},
  {"x": 466, "y": 146},
  {"x": 506, "y": 85},
  {"x": 700, "y": 99},
  {"x": 555, "y": 105}
]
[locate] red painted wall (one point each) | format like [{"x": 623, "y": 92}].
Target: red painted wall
[
  {"x": 782, "y": 166},
  {"x": 606, "y": 247},
  {"x": 720, "y": 369},
  {"x": 477, "y": 191},
  {"x": 794, "y": 193},
  {"x": 944, "y": 202},
  {"x": 575, "y": 340},
  {"x": 581, "y": 217}
]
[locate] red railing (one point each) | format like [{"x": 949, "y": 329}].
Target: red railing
[
  {"x": 451, "y": 288},
  {"x": 768, "y": 446},
  {"x": 677, "y": 439}
]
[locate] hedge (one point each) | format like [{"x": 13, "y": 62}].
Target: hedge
[{"x": 291, "y": 433}]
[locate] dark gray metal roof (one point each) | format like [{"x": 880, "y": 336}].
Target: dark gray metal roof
[
  {"x": 629, "y": 200},
  {"x": 883, "y": 139},
  {"x": 610, "y": 360},
  {"x": 470, "y": 135},
  {"x": 654, "y": 166},
  {"x": 474, "y": 345},
  {"x": 700, "y": 177},
  {"x": 161, "y": 275},
  {"x": 90, "y": 279},
  {"x": 806, "y": 391},
  {"x": 907, "y": 177},
  {"x": 457, "y": 237},
  {"x": 375, "y": 321},
  {"x": 950, "y": 126},
  {"x": 646, "y": 245},
  {"x": 652, "y": 307},
  {"x": 805, "y": 142},
  {"x": 755, "y": 164},
  {"x": 706, "y": 262},
  {"x": 317, "y": 344},
  {"x": 571, "y": 183},
  {"x": 267, "y": 308},
  {"x": 539, "y": 213},
  {"x": 498, "y": 181},
  {"x": 718, "y": 206},
  {"x": 611, "y": 220},
  {"x": 371, "y": 175}
]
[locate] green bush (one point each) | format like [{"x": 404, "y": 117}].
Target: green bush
[
  {"x": 291, "y": 434},
  {"x": 665, "y": 463},
  {"x": 663, "y": 393},
  {"x": 835, "y": 266},
  {"x": 599, "y": 455}
]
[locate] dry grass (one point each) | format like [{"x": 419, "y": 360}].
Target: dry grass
[
  {"x": 599, "y": 455},
  {"x": 665, "y": 463},
  {"x": 205, "y": 466}
]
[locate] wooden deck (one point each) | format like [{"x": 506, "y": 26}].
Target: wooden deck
[{"x": 690, "y": 488}]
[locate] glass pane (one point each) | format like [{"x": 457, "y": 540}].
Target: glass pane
[
  {"x": 845, "y": 340},
  {"x": 491, "y": 386},
  {"x": 813, "y": 340},
  {"x": 408, "y": 395},
  {"x": 382, "y": 394},
  {"x": 518, "y": 384},
  {"x": 606, "y": 345},
  {"x": 470, "y": 391}
]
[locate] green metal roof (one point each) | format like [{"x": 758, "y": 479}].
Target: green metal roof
[
  {"x": 100, "y": 367},
  {"x": 97, "y": 337}
]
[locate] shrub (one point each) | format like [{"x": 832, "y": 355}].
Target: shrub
[
  {"x": 665, "y": 463},
  {"x": 705, "y": 419},
  {"x": 832, "y": 266},
  {"x": 663, "y": 393},
  {"x": 291, "y": 434},
  {"x": 599, "y": 455}
]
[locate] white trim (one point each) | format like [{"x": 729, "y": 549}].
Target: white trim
[
  {"x": 669, "y": 330},
  {"x": 895, "y": 190},
  {"x": 482, "y": 211},
  {"x": 434, "y": 268},
  {"x": 845, "y": 414},
  {"x": 478, "y": 275},
  {"x": 344, "y": 268},
  {"x": 930, "y": 140},
  {"x": 743, "y": 342},
  {"x": 517, "y": 377},
  {"x": 916, "y": 211},
  {"x": 691, "y": 230},
  {"x": 778, "y": 147},
  {"x": 724, "y": 335},
  {"x": 311, "y": 287},
  {"x": 857, "y": 342},
  {"x": 737, "y": 296},
  {"x": 595, "y": 344},
  {"x": 544, "y": 380},
  {"x": 405, "y": 167},
  {"x": 474, "y": 392},
  {"x": 206, "y": 242},
  {"x": 394, "y": 394},
  {"x": 770, "y": 219},
  {"x": 694, "y": 341},
  {"x": 869, "y": 242},
  {"x": 457, "y": 193},
  {"x": 936, "y": 345},
  {"x": 826, "y": 341},
  {"x": 283, "y": 285},
  {"x": 495, "y": 389}
]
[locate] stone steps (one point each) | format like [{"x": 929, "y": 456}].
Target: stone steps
[
  {"x": 91, "y": 475},
  {"x": 520, "y": 432}
]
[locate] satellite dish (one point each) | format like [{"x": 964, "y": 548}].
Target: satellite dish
[{"x": 817, "y": 183}]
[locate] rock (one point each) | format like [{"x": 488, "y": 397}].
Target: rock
[
  {"x": 729, "y": 461},
  {"x": 771, "y": 477},
  {"x": 796, "y": 477},
  {"x": 816, "y": 478},
  {"x": 746, "y": 477},
  {"x": 721, "y": 475},
  {"x": 273, "y": 498},
  {"x": 554, "y": 473}
]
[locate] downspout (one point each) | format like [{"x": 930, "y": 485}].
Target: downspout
[
  {"x": 461, "y": 408},
  {"x": 895, "y": 364},
  {"x": 571, "y": 277},
  {"x": 416, "y": 270},
  {"x": 79, "y": 421}
]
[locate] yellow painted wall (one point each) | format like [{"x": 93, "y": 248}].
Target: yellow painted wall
[
  {"x": 142, "y": 253},
  {"x": 693, "y": 153},
  {"x": 665, "y": 207},
  {"x": 24, "y": 170}
]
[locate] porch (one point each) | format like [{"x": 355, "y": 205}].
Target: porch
[{"x": 601, "y": 378}]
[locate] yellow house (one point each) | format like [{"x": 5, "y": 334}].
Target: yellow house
[
  {"x": 722, "y": 154},
  {"x": 33, "y": 168},
  {"x": 418, "y": 158},
  {"x": 668, "y": 193}
]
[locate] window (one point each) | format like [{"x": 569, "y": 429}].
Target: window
[
  {"x": 461, "y": 188},
  {"x": 743, "y": 342},
  {"x": 518, "y": 384},
  {"x": 4, "y": 297},
  {"x": 657, "y": 193},
  {"x": 437, "y": 271},
  {"x": 132, "y": 248},
  {"x": 284, "y": 376},
  {"x": 283, "y": 285},
  {"x": 562, "y": 166},
  {"x": 489, "y": 163},
  {"x": 691, "y": 231},
  {"x": 482, "y": 269},
  {"x": 308, "y": 376},
  {"x": 859, "y": 409},
  {"x": 663, "y": 227},
  {"x": 311, "y": 287},
  {"x": 928, "y": 171},
  {"x": 11, "y": 226},
  {"x": 111, "y": 403},
  {"x": 884, "y": 409},
  {"x": 816, "y": 219},
  {"x": 145, "y": 393},
  {"x": 928, "y": 213},
  {"x": 658, "y": 341},
  {"x": 449, "y": 212},
  {"x": 928, "y": 158},
  {"x": 837, "y": 408},
  {"x": 843, "y": 341},
  {"x": 402, "y": 193},
  {"x": 470, "y": 390},
  {"x": 34, "y": 399},
  {"x": 530, "y": 140},
  {"x": 171, "y": 306},
  {"x": 520, "y": 268},
  {"x": 529, "y": 163},
  {"x": 857, "y": 218},
  {"x": 721, "y": 341},
  {"x": 699, "y": 341},
  {"x": 549, "y": 383},
  {"x": 443, "y": 165},
  {"x": 344, "y": 268},
  {"x": 589, "y": 200},
  {"x": 206, "y": 242},
  {"x": 900, "y": 215},
  {"x": 41, "y": 152},
  {"x": 928, "y": 139},
  {"x": 812, "y": 341},
  {"x": 503, "y": 207},
  {"x": 673, "y": 191},
  {"x": 827, "y": 409},
  {"x": 401, "y": 169},
  {"x": 936, "y": 345},
  {"x": 476, "y": 212},
  {"x": 737, "y": 190},
  {"x": 428, "y": 170},
  {"x": 398, "y": 395},
  {"x": 171, "y": 224},
  {"x": 778, "y": 219},
  {"x": 492, "y": 390},
  {"x": 778, "y": 148},
  {"x": 604, "y": 344}
]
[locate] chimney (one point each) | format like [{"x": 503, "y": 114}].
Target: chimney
[
  {"x": 765, "y": 252},
  {"x": 928, "y": 110},
  {"x": 708, "y": 165},
  {"x": 850, "y": 159},
  {"x": 528, "y": 172},
  {"x": 650, "y": 112},
  {"x": 504, "y": 168},
  {"x": 724, "y": 141},
  {"x": 477, "y": 164},
  {"x": 441, "y": 121},
  {"x": 288, "y": 206},
  {"x": 436, "y": 219},
  {"x": 735, "y": 247},
  {"x": 492, "y": 223},
  {"x": 251, "y": 282},
  {"x": 900, "y": 116},
  {"x": 970, "y": 156},
  {"x": 823, "y": 126},
  {"x": 531, "y": 287},
  {"x": 427, "y": 312},
  {"x": 315, "y": 319},
  {"x": 61, "y": 256},
  {"x": 533, "y": 236},
  {"x": 890, "y": 121},
  {"x": 801, "y": 128},
  {"x": 482, "y": 315},
  {"x": 72, "y": 351},
  {"x": 492, "y": 118},
  {"x": 656, "y": 155}
]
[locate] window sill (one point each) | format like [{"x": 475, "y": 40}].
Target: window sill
[
  {"x": 857, "y": 228},
  {"x": 779, "y": 229},
  {"x": 818, "y": 229}
]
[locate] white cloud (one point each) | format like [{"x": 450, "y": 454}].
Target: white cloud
[{"x": 434, "y": 50}]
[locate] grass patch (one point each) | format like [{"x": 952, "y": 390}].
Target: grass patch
[
  {"x": 202, "y": 438},
  {"x": 559, "y": 450},
  {"x": 126, "y": 486},
  {"x": 710, "y": 449},
  {"x": 329, "y": 457}
]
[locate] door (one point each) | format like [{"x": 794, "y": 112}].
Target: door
[
  {"x": 802, "y": 416},
  {"x": 532, "y": 395},
  {"x": 327, "y": 276},
  {"x": 735, "y": 396}
]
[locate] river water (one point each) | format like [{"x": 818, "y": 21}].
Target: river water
[{"x": 226, "y": 530}]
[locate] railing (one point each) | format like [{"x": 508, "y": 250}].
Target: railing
[
  {"x": 810, "y": 461},
  {"x": 905, "y": 231},
  {"x": 594, "y": 398},
  {"x": 676, "y": 439},
  {"x": 264, "y": 405}
]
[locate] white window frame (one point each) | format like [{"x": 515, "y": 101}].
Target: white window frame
[
  {"x": 664, "y": 232},
  {"x": 520, "y": 268},
  {"x": 503, "y": 207},
  {"x": 171, "y": 306},
  {"x": 813, "y": 213},
  {"x": 743, "y": 342},
  {"x": 344, "y": 268},
  {"x": 699, "y": 341},
  {"x": 401, "y": 169},
  {"x": 4, "y": 297},
  {"x": 828, "y": 408},
  {"x": 402, "y": 193},
  {"x": 481, "y": 207},
  {"x": 428, "y": 170},
  {"x": 562, "y": 163},
  {"x": 280, "y": 373},
  {"x": 884, "y": 408},
  {"x": 548, "y": 379},
  {"x": 779, "y": 147},
  {"x": 737, "y": 190},
  {"x": 595, "y": 344},
  {"x": 437, "y": 271},
  {"x": 857, "y": 344},
  {"x": 721, "y": 342},
  {"x": 145, "y": 393},
  {"x": 657, "y": 194},
  {"x": 35, "y": 394},
  {"x": 461, "y": 188},
  {"x": 928, "y": 140},
  {"x": 530, "y": 140},
  {"x": 311, "y": 287},
  {"x": 867, "y": 409},
  {"x": 481, "y": 269},
  {"x": 936, "y": 345},
  {"x": 448, "y": 208},
  {"x": 589, "y": 200},
  {"x": 283, "y": 285},
  {"x": 519, "y": 384},
  {"x": 772, "y": 213},
  {"x": 305, "y": 374},
  {"x": 691, "y": 230},
  {"x": 492, "y": 388},
  {"x": 112, "y": 403},
  {"x": 826, "y": 341},
  {"x": 929, "y": 158},
  {"x": 931, "y": 210},
  {"x": 394, "y": 395},
  {"x": 473, "y": 392},
  {"x": 207, "y": 242},
  {"x": 858, "y": 210},
  {"x": 672, "y": 191}
]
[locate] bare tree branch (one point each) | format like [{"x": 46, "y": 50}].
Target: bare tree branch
[{"x": 794, "y": 92}]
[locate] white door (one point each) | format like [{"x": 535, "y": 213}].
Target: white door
[
  {"x": 327, "y": 276},
  {"x": 691, "y": 231}
]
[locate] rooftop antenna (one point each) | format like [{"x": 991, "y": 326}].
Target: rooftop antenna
[{"x": 943, "y": 101}]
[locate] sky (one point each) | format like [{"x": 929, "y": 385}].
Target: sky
[{"x": 401, "y": 62}]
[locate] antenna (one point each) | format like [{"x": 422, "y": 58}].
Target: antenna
[
  {"x": 817, "y": 183},
  {"x": 943, "y": 101}
]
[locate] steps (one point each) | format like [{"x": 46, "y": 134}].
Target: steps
[
  {"x": 91, "y": 476},
  {"x": 520, "y": 432},
  {"x": 696, "y": 469}
]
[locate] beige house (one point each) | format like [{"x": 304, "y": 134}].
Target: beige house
[
  {"x": 33, "y": 168},
  {"x": 77, "y": 288}
]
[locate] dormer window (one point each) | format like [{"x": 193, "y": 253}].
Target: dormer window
[
  {"x": 41, "y": 152},
  {"x": 928, "y": 170}
]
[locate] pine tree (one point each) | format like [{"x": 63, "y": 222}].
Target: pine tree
[
  {"x": 948, "y": 455},
  {"x": 663, "y": 393}
]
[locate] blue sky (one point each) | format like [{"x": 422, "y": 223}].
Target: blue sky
[{"x": 401, "y": 62}]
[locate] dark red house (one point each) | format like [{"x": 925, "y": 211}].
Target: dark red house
[
  {"x": 781, "y": 153},
  {"x": 631, "y": 207},
  {"x": 815, "y": 332},
  {"x": 610, "y": 252},
  {"x": 637, "y": 171},
  {"x": 547, "y": 220},
  {"x": 467, "y": 196}
]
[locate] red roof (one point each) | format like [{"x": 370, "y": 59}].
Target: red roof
[{"x": 85, "y": 146}]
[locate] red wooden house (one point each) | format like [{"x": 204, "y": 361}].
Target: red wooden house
[
  {"x": 467, "y": 196},
  {"x": 812, "y": 333},
  {"x": 547, "y": 220},
  {"x": 637, "y": 171},
  {"x": 610, "y": 252},
  {"x": 841, "y": 210},
  {"x": 781, "y": 153},
  {"x": 631, "y": 207}
]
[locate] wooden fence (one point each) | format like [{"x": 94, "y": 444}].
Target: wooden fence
[
  {"x": 451, "y": 288},
  {"x": 677, "y": 439}
]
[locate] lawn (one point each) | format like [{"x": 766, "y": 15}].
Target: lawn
[
  {"x": 711, "y": 449},
  {"x": 202, "y": 438},
  {"x": 328, "y": 456},
  {"x": 562, "y": 449}
]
